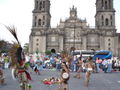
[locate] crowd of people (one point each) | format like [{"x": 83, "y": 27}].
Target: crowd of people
[
  {"x": 40, "y": 62},
  {"x": 64, "y": 63}
]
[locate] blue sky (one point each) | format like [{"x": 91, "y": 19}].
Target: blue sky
[{"x": 19, "y": 14}]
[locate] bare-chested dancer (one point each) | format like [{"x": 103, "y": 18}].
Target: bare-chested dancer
[
  {"x": 89, "y": 69},
  {"x": 79, "y": 65}
]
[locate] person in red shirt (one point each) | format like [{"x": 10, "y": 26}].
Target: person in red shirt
[{"x": 98, "y": 61}]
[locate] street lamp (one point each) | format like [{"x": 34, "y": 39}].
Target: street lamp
[
  {"x": 74, "y": 37},
  {"x": 73, "y": 48},
  {"x": 74, "y": 41}
]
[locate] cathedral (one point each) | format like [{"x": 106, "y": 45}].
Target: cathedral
[{"x": 74, "y": 33}]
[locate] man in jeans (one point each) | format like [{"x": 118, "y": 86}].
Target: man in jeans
[
  {"x": 109, "y": 65},
  {"x": 105, "y": 65}
]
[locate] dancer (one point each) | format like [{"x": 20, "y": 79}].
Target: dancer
[
  {"x": 64, "y": 76},
  {"x": 18, "y": 62},
  {"x": 89, "y": 65},
  {"x": 79, "y": 66},
  {"x": 37, "y": 68},
  {"x": 1, "y": 75}
]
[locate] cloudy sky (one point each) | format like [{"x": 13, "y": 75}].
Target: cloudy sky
[{"x": 19, "y": 14}]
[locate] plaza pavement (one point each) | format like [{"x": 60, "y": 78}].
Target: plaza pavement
[{"x": 99, "y": 81}]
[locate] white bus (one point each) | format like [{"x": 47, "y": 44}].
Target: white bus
[{"x": 83, "y": 53}]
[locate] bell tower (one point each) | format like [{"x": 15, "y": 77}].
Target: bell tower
[
  {"x": 41, "y": 14},
  {"x": 40, "y": 24},
  {"x": 105, "y": 14}
]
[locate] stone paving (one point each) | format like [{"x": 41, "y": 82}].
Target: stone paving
[{"x": 99, "y": 81}]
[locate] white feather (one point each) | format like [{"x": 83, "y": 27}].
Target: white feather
[{"x": 13, "y": 74}]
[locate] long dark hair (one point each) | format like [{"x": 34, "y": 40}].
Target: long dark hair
[{"x": 65, "y": 64}]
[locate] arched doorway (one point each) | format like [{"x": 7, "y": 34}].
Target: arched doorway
[{"x": 53, "y": 50}]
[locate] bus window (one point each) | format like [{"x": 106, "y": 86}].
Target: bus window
[{"x": 83, "y": 53}]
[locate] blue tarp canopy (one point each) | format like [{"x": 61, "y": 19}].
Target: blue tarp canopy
[{"x": 102, "y": 54}]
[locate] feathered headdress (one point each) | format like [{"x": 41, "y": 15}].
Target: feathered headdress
[
  {"x": 12, "y": 30},
  {"x": 18, "y": 56},
  {"x": 18, "y": 52}
]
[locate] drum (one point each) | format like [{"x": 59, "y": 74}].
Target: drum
[{"x": 65, "y": 75}]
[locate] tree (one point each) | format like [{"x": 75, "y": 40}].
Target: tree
[
  {"x": 4, "y": 46},
  {"x": 26, "y": 47},
  {"x": 47, "y": 52}
]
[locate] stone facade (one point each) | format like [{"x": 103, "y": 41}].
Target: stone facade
[{"x": 74, "y": 32}]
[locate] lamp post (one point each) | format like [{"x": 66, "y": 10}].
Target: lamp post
[
  {"x": 73, "y": 48},
  {"x": 74, "y": 34}
]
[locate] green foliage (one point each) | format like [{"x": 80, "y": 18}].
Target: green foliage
[
  {"x": 37, "y": 52},
  {"x": 4, "y": 46},
  {"x": 26, "y": 47},
  {"x": 47, "y": 52},
  {"x": 63, "y": 52}
]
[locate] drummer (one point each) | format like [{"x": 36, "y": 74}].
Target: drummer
[{"x": 64, "y": 75}]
